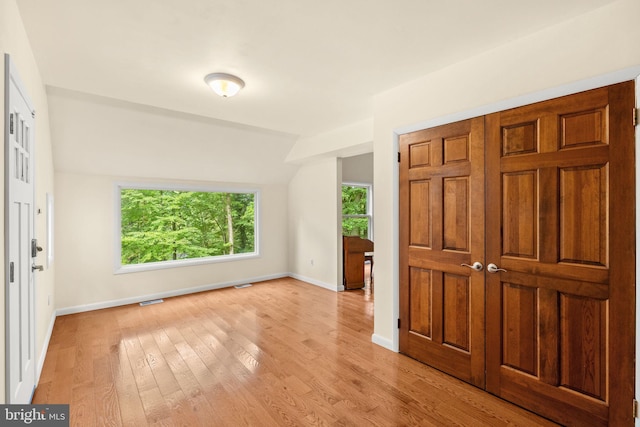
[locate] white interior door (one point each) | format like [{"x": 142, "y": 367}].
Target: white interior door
[{"x": 19, "y": 232}]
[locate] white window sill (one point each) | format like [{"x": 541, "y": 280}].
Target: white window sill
[{"x": 136, "y": 268}]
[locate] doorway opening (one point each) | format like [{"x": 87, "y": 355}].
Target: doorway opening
[{"x": 357, "y": 222}]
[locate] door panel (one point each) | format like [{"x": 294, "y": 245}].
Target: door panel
[
  {"x": 520, "y": 329},
  {"x": 419, "y": 218},
  {"x": 442, "y": 197},
  {"x": 456, "y": 296},
  {"x": 583, "y": 206},
  {"x": 583, "y": 345},
  {"x": 520, "y": 211},
  {"x": 552, "y": 338}
]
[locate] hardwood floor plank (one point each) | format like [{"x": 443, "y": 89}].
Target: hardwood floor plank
[
  {"x": 48, "y": 369},
  {"x": 251, "y": 403},
  {"x": 156, "y": 407},
  {"x": 83, "y": 367},
  {"x": 83, "y": 401},
  {"x": 140, "y": 366},
  {"x": 131, "y": 409},
  {"x": 181, "y": 410},
  {"x": 155, "y": 359},
  {"x": 107, "y": 408},
  {"x": 278, "y": 353}
]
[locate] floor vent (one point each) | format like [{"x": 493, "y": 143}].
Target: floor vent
[
  {"x": 246, "y": 285},
  {"x": 150, "y": 302}
]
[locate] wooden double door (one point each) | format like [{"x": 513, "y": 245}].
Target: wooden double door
[{"x": 517, "y": 254}]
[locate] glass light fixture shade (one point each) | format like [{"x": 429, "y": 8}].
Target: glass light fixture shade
[{"x": 225, "y": 85}]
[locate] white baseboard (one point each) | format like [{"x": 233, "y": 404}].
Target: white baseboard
[
  {"x": 167, "y": 294},
  {"x": 315, "y": 282},
  {"x": 383, "y": 342},
  {"x": 45, "y": 345}
]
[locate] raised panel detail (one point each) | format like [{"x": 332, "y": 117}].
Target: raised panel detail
[
  {"x": 420, "y": 220},
  {"x": 420, "y": 291},
  {"x": 456, "y": 311},
  {"x": 456, "y": 214},
  {"x": 456, "y": 149},
  {"x": 583, "y": 354},
  {"x": 519, "y": 346},
  {"x": 520, "y": 139},
  {"x": 520, "y": 214},
  {"x": 420, "y": 155},
  {"x": 583, "y": 215},
  {"x": 584, "y": 128}
]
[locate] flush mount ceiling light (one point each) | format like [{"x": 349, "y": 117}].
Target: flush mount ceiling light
[{"x": 225, "y": 85}]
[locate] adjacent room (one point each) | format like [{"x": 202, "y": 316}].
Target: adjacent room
[{"x": 335, "y": 213}]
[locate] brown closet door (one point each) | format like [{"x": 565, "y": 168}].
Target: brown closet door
[
  {"x": 442, "y": 227},
  {"x": 561, "y": 222}
]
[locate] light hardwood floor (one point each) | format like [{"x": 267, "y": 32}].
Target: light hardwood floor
[{"x": 281, "y": 352}]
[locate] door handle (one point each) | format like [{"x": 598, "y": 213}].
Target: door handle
[
  {"x": 35, "y": 248},
  {"x": 477, "y": 266},
  {"x": 492, "y": 268},
  {"x": 36, "y": 267}
]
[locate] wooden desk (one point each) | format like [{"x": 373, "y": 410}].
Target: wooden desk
[{"x": 353, "y": 257}]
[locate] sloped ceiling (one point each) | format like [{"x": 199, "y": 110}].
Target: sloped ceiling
[{"x": 309, "y": 66}]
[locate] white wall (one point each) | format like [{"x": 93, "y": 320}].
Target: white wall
[
  {"x": 314, "y": 230},
  {"x": 13, "y": 41},
  {"x": 350, "y": 140},
  {"x": 315, "y": 201},
  {"x": 358, "y": 169},
  {"x": 101, "y": 141},
  {"x": 101, "y": 136},
  {"x": 594, "y": 44},
  {"x": 85, "y": 248}
]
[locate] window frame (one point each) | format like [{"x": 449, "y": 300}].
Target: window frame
[
  {"x": 119, "y": 268},
  {"x": 368, "y": 215}
]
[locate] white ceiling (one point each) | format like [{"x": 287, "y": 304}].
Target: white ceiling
[{"x": 309, "y": 66}]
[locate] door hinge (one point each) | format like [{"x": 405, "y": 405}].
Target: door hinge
[
  {"x": 635, "y": 117},
  {"x": 398, "y": 323},
  {"x": 11, "y": 124},
  {"x": 11, "y": 272},
  {"x": 398, "y": 157},
  {"x": 635, "y": 408}
]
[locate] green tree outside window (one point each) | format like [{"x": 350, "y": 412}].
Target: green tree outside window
[
  {"x": 356, "y": 219},
  {"x": 165, "y": 225}
]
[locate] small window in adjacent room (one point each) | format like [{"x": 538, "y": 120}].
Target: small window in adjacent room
[
  {"x": 356, "y": 210},
  {"x": 177, "y": 226}
]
